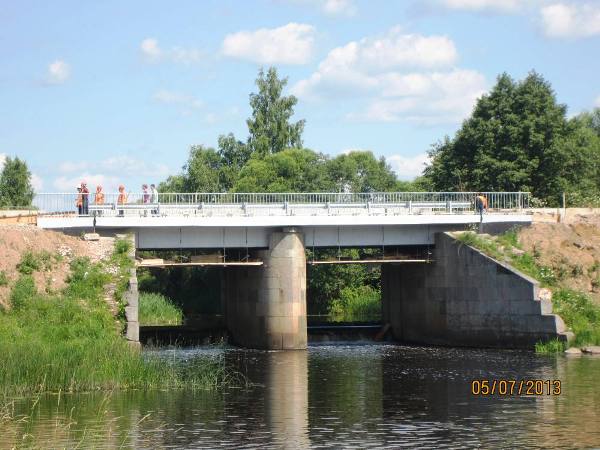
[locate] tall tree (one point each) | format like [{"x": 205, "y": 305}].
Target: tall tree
[
  {"x": 270, "y": 128},
  {"x": 511, "y": 142},
  {"x": 15, "y": 184}
]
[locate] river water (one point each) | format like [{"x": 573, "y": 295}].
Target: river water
[{"x": 334, "y": 396}]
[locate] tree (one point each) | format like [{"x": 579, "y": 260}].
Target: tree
[
  {"x": 360, "y": 171},
  {"x": 291, "y": 170},
  {"x": 511, "y": 142},
  {"x": 269, "y": 127},
  {"x": 15, "y": 184}
]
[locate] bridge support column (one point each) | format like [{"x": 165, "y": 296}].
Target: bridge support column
[{"x": 265, "y": 307}]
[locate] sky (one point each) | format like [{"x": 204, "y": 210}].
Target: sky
[{"x": 117, "y": 91}]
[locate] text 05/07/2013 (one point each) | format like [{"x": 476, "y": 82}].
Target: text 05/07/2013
[{"x": 484, "y": 387}]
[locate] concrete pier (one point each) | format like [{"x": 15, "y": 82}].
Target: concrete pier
[
  {"x": 265, "y": 306},
  {"x": 466, "y": 298}
]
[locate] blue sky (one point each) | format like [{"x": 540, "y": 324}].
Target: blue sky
[{"x": 116, "y": 92}]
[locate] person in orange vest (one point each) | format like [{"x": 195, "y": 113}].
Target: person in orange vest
[
  {"x": 99, "y": 196},
  {"x": 122, "y": 199},
  {"x": 481, "y": 204}
]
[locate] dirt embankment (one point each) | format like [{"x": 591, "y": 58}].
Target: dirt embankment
[
  {"x": 570, "y": 247},
  {"x": 16, "y": 240}
]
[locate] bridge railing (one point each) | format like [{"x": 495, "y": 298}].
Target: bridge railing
[{"x": 313, "y": 203}]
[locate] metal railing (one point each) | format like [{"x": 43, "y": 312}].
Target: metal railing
[{"x": 265, "y": 204}]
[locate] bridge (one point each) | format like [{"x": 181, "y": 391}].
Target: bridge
[
  {"x": 246, "y": 220},
  {"x": 461, "y": 298}
]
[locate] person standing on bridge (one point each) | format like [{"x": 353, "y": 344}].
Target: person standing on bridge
[
  {"x": 79, "y": 201},
  {"x": 154, "y": 198},
  {"x": 99, "y": 196},
  {"x": 85, "y": 197},
  {"x": 481, "y": 204},
  {"x": 122, "y": 199}
]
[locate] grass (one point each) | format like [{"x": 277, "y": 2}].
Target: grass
[
  {"x": 69, "y": 341},
  {"x": 361, "y": 303},
  {"x": 3, "y": 278},
  {"x": 156, "y": 309},
  {"x": 577, "y": 309},
  {"x": 551, "y": 346}
]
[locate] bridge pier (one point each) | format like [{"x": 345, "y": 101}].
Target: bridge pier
[{"x": 265, "y": 306}]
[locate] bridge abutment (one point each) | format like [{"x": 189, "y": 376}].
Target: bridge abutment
[
  {"x": 265, "y": 306},
  {"x": 465, "y": 298}
]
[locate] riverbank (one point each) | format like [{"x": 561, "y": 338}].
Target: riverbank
[{"x": 63, "y": 335}]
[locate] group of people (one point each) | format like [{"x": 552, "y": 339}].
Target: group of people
[{"x": 149, "y": 196}]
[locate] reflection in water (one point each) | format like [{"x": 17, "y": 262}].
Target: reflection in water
[{"x": 333, "y": 396}]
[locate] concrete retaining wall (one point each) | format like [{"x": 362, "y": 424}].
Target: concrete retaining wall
[
  {"x": 265, "y": 306},
  {"x": 466, "y": 298}
]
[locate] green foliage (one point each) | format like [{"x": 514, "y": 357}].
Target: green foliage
[
  {"x": 360, "y": 171},
  {"x": 3, "y": 278},
  {"x": 122, "y": 246},
  {"x": 270, "y": 128},
  {"x": 156, "y": 309},
  {"x": 519, "y": 139},
  {"x": 195, "y": 290},
  {"x": 22, "y": 292},
  {"x": 580, "y": 314},
  {"x": 32, "y": 262},
  {"x": 15, "y": 184},
  {"x": 69, "y": 342},
  {"x": 292, "y": 170},
  {"x": 326, "y": 282},
  {"x": 356, "y": 303},
  {"x": 29, "y": 263},
  {"x": 551, "y": 346}
]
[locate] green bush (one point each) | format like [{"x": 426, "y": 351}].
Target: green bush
[
  {"x": 360, "y": 303},
  {"x": 122, "y": 246},
  {"x": 29, "y": 263},
  {"x": 156, "y": 309},
  {"x": 32, "y": 262},
  {"x": 22, "y": 292},
  {"x": 3, "y": 278}
]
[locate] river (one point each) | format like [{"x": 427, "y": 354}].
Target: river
[{"x": 345, "y": 395}]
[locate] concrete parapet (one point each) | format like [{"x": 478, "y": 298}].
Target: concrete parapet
[
  {"x": 466, "y": 298},
  {"x": 265, "y": 306}
]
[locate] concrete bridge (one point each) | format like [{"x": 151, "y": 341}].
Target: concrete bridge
[{"x": 265, "y": 304}]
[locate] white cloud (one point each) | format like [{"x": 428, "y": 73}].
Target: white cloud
[
  {"x": 153, "y": 53},
  {"x": 72, "y": 166},
  {"x": 70, "y": 184},
  {"x": 338, "y": 7},
  {"x": 288, "y": 44},
  {"x": 58, "y": 72},
  {"x": 408, "y": 167},
  {"x": 597, "y": 103},
  {"x": 187, "y": 102},
  {"x": 37, "y": 182},
  {"x": 562, "y": 20},
  {"x": 2, "y": 159},
  {"x": 329, "y": 7},
  {"x": 429, "y": 98},
  {"x": 402, "y": 77},
  {"x": 110, "y": 172},
  {"x": 502, "y": 6}
]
